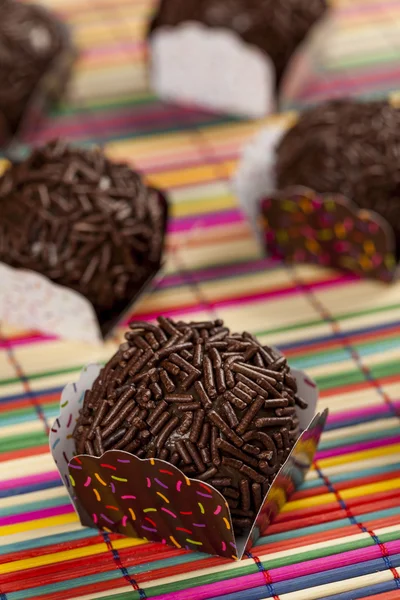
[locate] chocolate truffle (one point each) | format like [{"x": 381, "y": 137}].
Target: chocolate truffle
[
  {"x": 227, "y": 55},
  {"x": 32, "y": 41},
  {"x": 347, "y": 147},
  {"x": 274, "y": 26},
  {"x": 219, "y": 406},
  {"x": 84, "y": 222}
]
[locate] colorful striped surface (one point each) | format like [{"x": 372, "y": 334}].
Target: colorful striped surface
[
  {"x": 355, "y": 51},
  {"x": 339, "y": 536}
]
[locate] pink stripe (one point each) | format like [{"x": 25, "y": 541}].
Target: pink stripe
[
  {"x": 376, "y": 9},
  {"x": 29, "y": 480},
  {"x": 358, "y": 447},
  {"x": 80, "y": 125},
  {"x": 337, "y": 85},
  {"x": 250, "y": 298},
  {"x": 205, "y": 221},
  {"x": 362, "y": 413},
  {"x": 37, "y": 514},
  {"x": 289, "y": 572},
  {"x": 30, "y": 339}
]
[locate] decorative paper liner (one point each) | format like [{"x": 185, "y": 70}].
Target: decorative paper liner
[
  {"x": 152, "y": 499},
  {"x": 299, "y": 225},
  {"x": 29, "y": 299},
  {"x": 242, "y": 81},
  {"x": 302, "y": 226},
  {"x": 49, "y": 89}
]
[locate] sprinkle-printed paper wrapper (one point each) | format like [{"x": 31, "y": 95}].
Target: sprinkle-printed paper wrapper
[
  {"x": 30, "y": 300},
  {"x": 298, "y": 225},
  {"x": 49, "y": 90},
  {"x": 153, "y": 500}
]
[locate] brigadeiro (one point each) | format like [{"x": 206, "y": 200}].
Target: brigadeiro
[
  {"x": 84, "y": 222},
  {"x": 228, "y": 55},
  {"x": 347, "y": 147},
  {"x": 218, "y": 405},
  {"x": 36, "y": 57}
]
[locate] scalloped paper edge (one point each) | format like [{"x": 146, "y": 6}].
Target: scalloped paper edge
[
  {"x": 195, "y": 41},
  {"x": 255, "y": 181},
  {"x": 62, "y": 448},
  {"x": 31, "y": 300}
]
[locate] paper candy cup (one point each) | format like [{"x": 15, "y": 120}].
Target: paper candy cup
[
  {"x": 299, "y": 225},
  {"x": 48, "y": 90},
  {"x": 242, "y": 81},
  {"x": 29, "y": 299},
  {"x": 153, "y": 500}
]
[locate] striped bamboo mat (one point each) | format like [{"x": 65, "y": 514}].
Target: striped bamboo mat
[
  {"x": 354, "y": 52},
  {"x": 339, "y": 537}
]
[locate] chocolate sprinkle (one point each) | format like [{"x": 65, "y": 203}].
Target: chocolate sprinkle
[
  {"x": 347, "y": 147},
  {"x": 121, "y": 221},
  {"x": 211, "y": 435}
]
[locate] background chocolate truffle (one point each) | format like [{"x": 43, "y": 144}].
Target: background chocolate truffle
[
  {"x": 220, "y": 406},
  {"x": 32, "y": 40},
  {"x": 275, "y": 26},
  {"x": 347, "y": 147},
  {"x": 227, "y": 55},
  {"x": 84, "y": 222}
]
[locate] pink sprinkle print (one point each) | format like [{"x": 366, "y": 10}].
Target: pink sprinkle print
[
  {"x": 218, "y": 510},
  {"x": 128, "y": 497},
  {"x": 223, "y": 546},
  {"x": 124, "y": 520},
  {"x": 148, "y": 482},
  {"x": 179, "y": 485},
  {"x": 169, "y": 512},
  {"x": 163, "y": 541},
  {"x": 88, "y": 481},
  {"x": 95, "y": 519}
]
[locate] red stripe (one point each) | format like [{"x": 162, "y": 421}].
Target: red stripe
[
  {"x": 333, "y": 515},
  {"x": 24, "y": 452},
  {"x": 302, "y": 513},
  {"x": 6, "y": 407},
  {"x": 362, "y": 385}
]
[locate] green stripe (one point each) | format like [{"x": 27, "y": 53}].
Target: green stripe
[
  {"x": 338, "y": 317},
  {"x": 25, "y": 440},
  {"x": 251, "y": 568}
]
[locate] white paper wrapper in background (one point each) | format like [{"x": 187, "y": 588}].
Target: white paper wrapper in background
[
  {"x": 213, "y": 68},
  {"x": 255, "y": 177},
  {"x": 30, "y": 300},
  {"x": 121, "y": 482}
]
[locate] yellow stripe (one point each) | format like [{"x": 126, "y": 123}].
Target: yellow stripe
[
  {"x": 38, "y": 523},
  {"x": 362, "y": 490},
  {"x": 188, "y": 176},
  {"x": 358, "y": 456},
  {"x": 49, "y": 559}
]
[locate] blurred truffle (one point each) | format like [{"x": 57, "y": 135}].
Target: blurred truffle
[
  {"x": 347, "y": 147},
  {"x": 232, "y": 47},
  {"x": 84, "y": 222},
  {"x": 33, "y": 45}
]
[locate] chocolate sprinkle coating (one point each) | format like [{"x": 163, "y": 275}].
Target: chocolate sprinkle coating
[
  {"x": 30, "y": 39},
  {"x": 347, "y": 147},
  {"x": 202, "y": 431},
  {"x": 275, "y": 26},
  {"x": 85, "y": 223}
]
